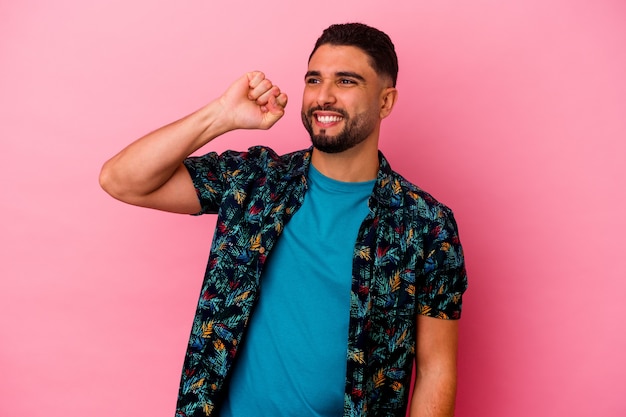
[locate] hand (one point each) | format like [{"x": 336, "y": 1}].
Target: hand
[{"x": 253, "y": 102}]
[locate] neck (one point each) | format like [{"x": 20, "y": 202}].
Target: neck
[{"x": 356, "y": 164}]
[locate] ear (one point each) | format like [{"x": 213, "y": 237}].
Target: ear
[{"x": 388, "y": 99}]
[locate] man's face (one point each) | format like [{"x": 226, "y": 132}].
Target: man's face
[{"x": 341, "y": 100}]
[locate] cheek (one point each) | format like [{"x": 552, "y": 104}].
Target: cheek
[{"x": 308, "y": 98}]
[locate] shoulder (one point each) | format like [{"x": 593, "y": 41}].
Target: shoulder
[
  {"x": 232, "y": 163},
  {"x": 266, "y": 159},
  {"x": 407, "y": 197}
]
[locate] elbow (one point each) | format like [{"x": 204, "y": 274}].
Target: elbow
[
  {"x": 121, "y": 185},
  {"x": 105, "y": 179},
  {"x": 109, "y": 182}
]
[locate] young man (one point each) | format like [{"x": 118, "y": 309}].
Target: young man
[{"x": 329, "y": 273}]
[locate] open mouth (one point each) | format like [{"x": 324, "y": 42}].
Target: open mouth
[{"x": 328, "y": 119}]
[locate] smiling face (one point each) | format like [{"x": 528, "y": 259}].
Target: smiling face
[{"x": 344, "y": 98}]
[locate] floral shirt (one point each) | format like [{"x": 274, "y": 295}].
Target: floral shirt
[{"x": 407, "y": 261}]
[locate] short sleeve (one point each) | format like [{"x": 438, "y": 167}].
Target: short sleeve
[
  {"x": 444, "y": 279},
  {"x": 205, "y": 172}
]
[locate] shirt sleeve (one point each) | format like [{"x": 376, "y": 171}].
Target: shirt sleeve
[
  {"x": 444, "y": 278},
  {"x": 206, "y": 174}
]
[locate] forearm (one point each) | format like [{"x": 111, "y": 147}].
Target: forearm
[
  {"x": 434, "y": 394},
  {"x": 150, "y": 162},
  {"x": 150, "y": 171}
]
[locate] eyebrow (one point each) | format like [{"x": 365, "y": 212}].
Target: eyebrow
[{"x": 337, "y": 74}]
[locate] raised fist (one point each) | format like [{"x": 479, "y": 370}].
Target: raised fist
[{"x": 253, "y": 102}]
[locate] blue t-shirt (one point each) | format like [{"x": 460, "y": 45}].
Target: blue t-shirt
[{"x": 292, "y": 360}]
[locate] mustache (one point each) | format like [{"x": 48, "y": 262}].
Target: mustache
[{"x": 342, "y": 112}]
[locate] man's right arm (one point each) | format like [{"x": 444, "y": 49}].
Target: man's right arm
[{"x": 150, "y": 171}]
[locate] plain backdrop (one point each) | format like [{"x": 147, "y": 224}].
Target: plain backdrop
[{"x": 513, "y": 113}]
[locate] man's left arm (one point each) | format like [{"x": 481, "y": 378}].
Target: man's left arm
[{"x": 436, "y": 368}]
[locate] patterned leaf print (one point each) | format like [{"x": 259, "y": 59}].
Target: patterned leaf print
[
  {"x": 358, "y": 356},
  {"x": 196, "y": 343},
  {"x": 409, "y": 235},
  {"x": 219, "y": 359},
  {"x": 219, "y": 345},
  {"x": 381, "y": 255},
  {"x": 207, "y": 329},
  {"x": 197, "y": 384},
  {"x": 379, "y": 379},
  {"x": 245, "y": 256},
  {"x": 395, "y": 282},
  {"x": 240, "y": 196},
  {"x": 401, "y": 338},
  {"x": 364, "y": 253},
  {"x": 209, "y": 188},
  {"x": 241, "y": 297},
  {"x": 223, "y": 333},
  {"x": 395, "y": 373},
  {"x": 397, "y": 188},
  {"x": 424, "y": 310},
  {"x": 410, "y": 289},
  {"x": 255, "y": 242},
  {"x": 413, "y": 195}
]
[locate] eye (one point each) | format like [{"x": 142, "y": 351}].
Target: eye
[
  {"x": 312, "y": 81},
  {"x": 346, "y": 81}
]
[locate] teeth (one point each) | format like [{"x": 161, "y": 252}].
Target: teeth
[{"x": 328, "y": 119}]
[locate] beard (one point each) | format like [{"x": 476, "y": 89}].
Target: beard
[{"x": 356, "y": 129}]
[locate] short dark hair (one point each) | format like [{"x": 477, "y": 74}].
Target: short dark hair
[{"x": 375, "y": 43}]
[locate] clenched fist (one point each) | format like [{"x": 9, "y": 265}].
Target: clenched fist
[{"x": 253, "y": 102}]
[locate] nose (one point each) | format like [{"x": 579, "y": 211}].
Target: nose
[{"x": 325, "y": 94}]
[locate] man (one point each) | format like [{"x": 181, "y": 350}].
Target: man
[{"x": 329, "y": 273}]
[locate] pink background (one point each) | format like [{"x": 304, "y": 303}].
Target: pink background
[{"x": 511, "y": 112}]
